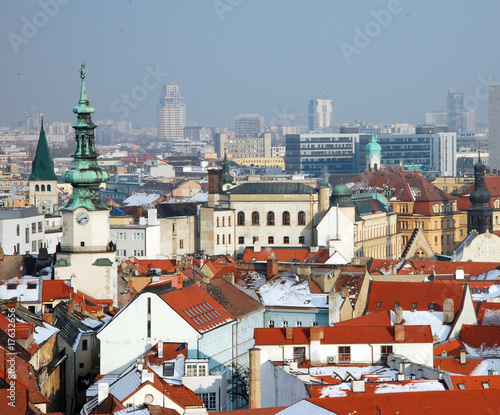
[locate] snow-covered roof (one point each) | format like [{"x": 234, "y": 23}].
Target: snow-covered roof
[
  {"x": 434, "y": 319},
  {"x": 43, "y": 333},
  {"x": 140, "y": 199},
  {"x": 26, "y": 289},
  {"x": 290, "y": 290},
  {"x": 493, "y": 292}
]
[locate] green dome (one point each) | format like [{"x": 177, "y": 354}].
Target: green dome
[
  {"x": 373, "y": 147},
  {"x": 341, "y": 190}
]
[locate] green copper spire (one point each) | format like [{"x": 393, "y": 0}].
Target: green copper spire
[
  {"x": 43, "y": 166},
  {"x": 86, "y": 175},
  {"x": 373, "y": 147}
]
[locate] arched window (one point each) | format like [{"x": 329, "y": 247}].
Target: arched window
[
  {"x": 241, "y": 218},
  {"x": 37, "y": 188},
  {"x": 302, "y": 218},
  {"x": 43, "y": 188},
  {"x": 286, "y": 218},
  {"x": 49, "y": 188},
  {"x": 270, "y": 218},
  {"x": 255, "y": 218}
]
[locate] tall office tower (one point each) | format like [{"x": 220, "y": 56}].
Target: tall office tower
[
  {"x": 436, "y": 118},
  {"x": 171, "y": 114},
  {"x": 494, "y": 121},
  {"x": 248, "y": 125},
  {"x": 469, "y": 121},
  {"x": 321, "y": 115},
  {"x": 455, "y": 110}
]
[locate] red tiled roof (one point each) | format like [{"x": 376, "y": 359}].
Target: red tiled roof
[
  {"x": 492, "y": 313},
  {"x": 22, "y": 330},
  {"x": 198, "y": 308},
  {"x": 170, "y": 351},
  {"x": 451, "y": 347},
  {"x": 260, "y": 411},
  {"x": 143, "y": 265},
  {"x": 286, "y": 255},
  {"x": 341, "y": 335},
  {"x": 416, "y": 403},
  {"x": 453, "y": 365},
  {"x": 379, "y": 319},
  {"x": 476, "y": 382},
  {"x": 384, "y": 295},
  {"x": 55, "y": 289},
  {"x": 480, "y": 336}
]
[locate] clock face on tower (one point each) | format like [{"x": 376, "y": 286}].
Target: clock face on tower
[{"x": 82, "y": 218}]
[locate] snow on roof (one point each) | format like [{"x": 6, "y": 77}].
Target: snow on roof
[
  {"x": 135, "y": 410},
  {"x": 27, "y": 289},
  {"x": 140, "y": 199},
  {"x": 493, "y": 292},
  {"x": 291, "y": 291},
  {"x": 419, "y": 385},
  {"x": 334, "y": 391},
  {"x": 199, "y": 197},
  {"x": 302, "y": 407},
  {"x": 486, "y": 365},
  {"x": 426, "y": 318},
  {"x": 345, "y": 370},
  {"x": 493, "y": 274},
  {"x": 43, "y": 333}
]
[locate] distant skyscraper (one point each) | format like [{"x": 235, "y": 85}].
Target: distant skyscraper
[
  {"x": 436, "y": 118},
  {"x": 455, "y": 110},
  {"x": 469, "y": 121},
  {"x": 320, "y": 115},
  {"x": 494, "y": 121},
  {"x": 171, "y": 114},
  {"x": 248, "y": 125}
]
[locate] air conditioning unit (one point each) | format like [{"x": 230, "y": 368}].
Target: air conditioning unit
[{"x": 331, "y": 359}]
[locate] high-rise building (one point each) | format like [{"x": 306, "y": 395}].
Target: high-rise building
[
  {"x": 494, "y": 121},
  {"x": 171, "y": 114},
  {"x": 321, "y": 115},
  {"x": 436, "y": 118},
  {"x": 455, "y": 110},
  {"x": 469, "y": 121},
  {"x": 248, "y": 125}
]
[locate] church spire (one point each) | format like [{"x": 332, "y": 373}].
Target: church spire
[
  {"x": 85, "y": 176},
  {"x": 43, "y": 166}
]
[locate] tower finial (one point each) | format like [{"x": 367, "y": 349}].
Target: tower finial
[
  {"x": 479, "y": 155},
  {"x": 82, "y": 71},
  {"x": 41, "y": 117}
]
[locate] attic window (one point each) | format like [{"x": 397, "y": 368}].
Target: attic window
[
  {"x": 168, "y": 368},
  {"x": 379, "y": 304},
  {"x": 478, "y": 290},
  {"x": 486, "y": 385},
  {"x": 11, "y": 286},
  {"x": 414, "y": 306},
  {"x": 31, "y": 285},
  {"x": 461, "y": 386},
  {"x": 486, "y": 290},
  {"x": 396, "y": 304},
  {"x": 431, "y": 306}
]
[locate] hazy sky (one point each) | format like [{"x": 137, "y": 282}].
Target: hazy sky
[{"x": 382, "y": 61}]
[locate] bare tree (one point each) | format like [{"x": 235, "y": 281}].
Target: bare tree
[{"x": 239, "y": 382}]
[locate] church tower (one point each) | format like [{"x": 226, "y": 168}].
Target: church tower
[
  {"x": 43, "y": 181},
  {"x": 480, "y": 214},
  {"x": 85, "y": 256},
  {"x": 373, "y": 154}
]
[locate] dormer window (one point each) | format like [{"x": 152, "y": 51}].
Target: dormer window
[
  {"x": 168, "y": 368},
  {"x": 379, "y": 304},
  {"x": 11, "y": 286},
  {"x": 414, "y": 306},
  {"x": 32, "y": 286},
  {"x": 432, "y": 306}
]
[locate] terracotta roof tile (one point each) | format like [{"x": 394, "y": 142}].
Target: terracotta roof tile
[
  {"x": 453, "y": 365},
  {"x": 379, "y": 319},
  {"x": 301, "y": 255},
  {"x": 476, "y": 382},
  {"x": 488, "y": 314},
  {"x": 198, "y": 308},
  {"x": 55, "y": 289},
  {"x": 481, "y": 337},
  {"x": 451, "y": 347}
]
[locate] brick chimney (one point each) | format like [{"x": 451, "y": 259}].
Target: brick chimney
[
  {"x": 399, "y": 333},
  {"x": 317, "y": 333},
  {"x": 448, "y": 310},
  {"x": 463, "y": 357},
  {"x": 71, "y": 304},
  {"x": 272, "y": 268},
  {"x": 289, "y": 333},
  {"x": 398, "y": 315},
  {"x": 254, "y": 383}
]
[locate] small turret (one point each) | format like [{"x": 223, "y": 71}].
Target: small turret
[{"x": 373, "y": 154}]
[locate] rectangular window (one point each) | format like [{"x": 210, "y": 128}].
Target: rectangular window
[
  {"x": 384, "y": 350},
  {"x": 286, "y": 240},
  {"x": 344, "y": 353},
  {"x": 18, "y": 230},
  {"x": 270, "y": 240},
  {"x": 379, "y": 304},
  {"x": 40, "y": 227},
  {"x": 168, "y": 368},
  {"x": 27, "y": 235},
  {"x": 85, "y": 344},
  {"x": 255, "y": 239},
  {"x": 33, "y": 227},
  {"x": 299, "y": 324},
  {"x": 223, "y": 239},
  {"x": 302, "y": 239},
  {"x": 271, "y": 323},
  {"x": 229, "y": 221},
  {"x": 285, "y": 323},
  {"x": 299, "y": 354},
  {"x": 191, "y": 370},
  {"x": 181, "y": 243},
  {"x": 32, "y": 285},
  {"x": 209, "y": 399},
  {"x": 218, "y": 241},
  {"x": 33, "y": 246},
  {"x": 241, "y": 239}
]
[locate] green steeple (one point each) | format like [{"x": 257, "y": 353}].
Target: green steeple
[
  {"x": 373, "y": 147},
  {"x": 86, "y": 175},
  {"x": 43, "y": 166}
]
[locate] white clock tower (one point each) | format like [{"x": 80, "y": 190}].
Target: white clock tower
[{"x": 85, "y": 255}]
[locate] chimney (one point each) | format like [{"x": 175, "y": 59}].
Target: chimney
[
  {"x": 229, "y": 277},
  {"x": 333, "y": 308},
  {"x": 400, "y": 377},
  {"x": 317, "y": 333},
  {"x": 463, "y": 357},
  {"x": 448, "y": 310},
  {"x": 102, "y": 391},
  {"x": 71, "y": 304},
  {"x": 214, "y": 181},
  {"x": 289, "y": 333},
  {"x": 146, "y": 375},
  {"x": 394, "y": 270},
  {"x": 254, "y": 381},
  {"x": 345, "y": 292},
  {"x": 358, "y": 385},
  {"x": 492, "y": 372},
  {"x": 48, "y": 317},
  {"x": 398, "y": 315},
  {"x": 459, "y": 274},
  {"x": 160, "y": 349},
  {"x": 272, "y": 268},
  {"x": 399, "y": 333},
  {"x": 152, "y": 216}
]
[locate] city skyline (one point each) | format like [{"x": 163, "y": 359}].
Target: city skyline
[{"x": 371, "y": 58}]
